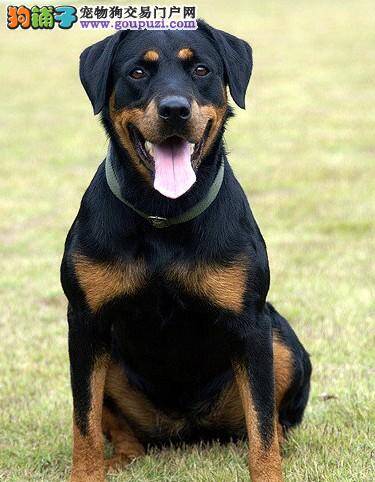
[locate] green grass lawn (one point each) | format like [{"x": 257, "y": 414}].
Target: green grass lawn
[{"x": 304, "y": 151}]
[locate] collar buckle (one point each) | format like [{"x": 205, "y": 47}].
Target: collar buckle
[{"x": 158, "y": 221}]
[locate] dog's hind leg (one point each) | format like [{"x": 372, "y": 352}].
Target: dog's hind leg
[
  {"x": 126, "y": 446},
  {"x": 283, "y": 366},
  {"x": 292, "y": 369}
]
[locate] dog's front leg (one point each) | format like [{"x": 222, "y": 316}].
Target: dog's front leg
[
  {"x": 255, "y": 381},
  {"x": 88, "y": 366}
]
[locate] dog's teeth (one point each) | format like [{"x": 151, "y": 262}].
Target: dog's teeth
[
  {"x": 191, "y": 147},
  {"x": 149, "y": 147}
]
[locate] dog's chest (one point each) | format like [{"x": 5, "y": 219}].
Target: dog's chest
[
  {"x": 166, "y": 322},
  {"x": 222, "y": 286}
]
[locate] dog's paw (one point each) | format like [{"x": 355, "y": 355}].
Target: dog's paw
[
  {"x": 84, "y": 476},
  {"x": 117, "y": 462},
  {"x": 121, "y": 460}
]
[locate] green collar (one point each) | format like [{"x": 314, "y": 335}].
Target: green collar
[{"x": 157, "y": 221}]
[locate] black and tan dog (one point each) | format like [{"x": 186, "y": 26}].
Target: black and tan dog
[{"x": 165, "y": 269}]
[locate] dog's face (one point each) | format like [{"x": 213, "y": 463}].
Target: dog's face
[
  {"x": 167, "y": 105},
  {"x": 165, "y": 95}
]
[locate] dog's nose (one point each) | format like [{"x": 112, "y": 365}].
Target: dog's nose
[{"x": 174, "y": 109}]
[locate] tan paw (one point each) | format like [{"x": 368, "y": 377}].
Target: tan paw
[
  {"x": 117, "y": 462},
  {"x": 121, "y": 460}
]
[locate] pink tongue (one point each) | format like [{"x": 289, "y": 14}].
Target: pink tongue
[{"x": 173, "y": 172}]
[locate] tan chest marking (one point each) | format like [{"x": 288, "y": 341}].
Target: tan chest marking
[
  {"x": 102, "y": 282},
  {"x": 224, "y": 286}
]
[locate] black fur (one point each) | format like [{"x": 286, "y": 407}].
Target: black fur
[{"x": 175, "y": 347}]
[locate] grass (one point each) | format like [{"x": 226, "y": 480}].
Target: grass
[{"x": 304, "y": 151}]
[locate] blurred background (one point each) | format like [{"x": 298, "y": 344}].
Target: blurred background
[{"x": 304, "y": 152}]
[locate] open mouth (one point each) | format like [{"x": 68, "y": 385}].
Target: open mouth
[{"x": 173, "y": 162}]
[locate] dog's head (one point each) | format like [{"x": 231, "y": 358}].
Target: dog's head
[{"x": 164, "y": 96}]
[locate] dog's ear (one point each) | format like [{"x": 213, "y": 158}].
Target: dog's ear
[
  {"x": 94, "y": 66},
  {"x": 237, "y": 58}
]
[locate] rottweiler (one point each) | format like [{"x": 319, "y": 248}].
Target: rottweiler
[{"x": 171, "y": 339}]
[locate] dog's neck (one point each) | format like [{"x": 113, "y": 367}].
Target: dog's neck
[{"x": 141, "y": 194}]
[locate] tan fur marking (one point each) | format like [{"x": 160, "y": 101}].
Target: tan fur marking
[
  {"x": 146, "y": 121},
  {"x": 222, "y": 285},
  {"x": 200, "y": 116},
  {"x": 151, "y": 56},
  {"x": 185, "y": 54},
  {"x": 137, "y": 408},
  {"x": 103, "y": 282},
  {"x": 283, "y": 368},
  {"x": 125, "y": 444},
  {"x": 228, "y": 411},
  {"x": 264, "y": 464},
  {"x": 88, "y": 450},
  {"x": 139, "y": 411}
]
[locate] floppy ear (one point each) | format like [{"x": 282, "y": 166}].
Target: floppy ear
[
  {"x": 95, "y": 62},
  {"x": 237, "y": 58}
]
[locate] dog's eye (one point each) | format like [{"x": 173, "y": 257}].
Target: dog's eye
[
  {"x": 201, "y": 70},
  {"x": 137, "y": 73}
]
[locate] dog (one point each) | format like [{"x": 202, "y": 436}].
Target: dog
[{"x": 165, "y": 270}]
